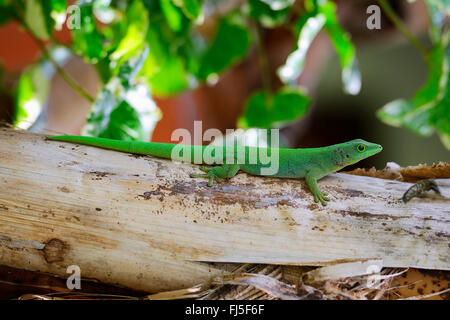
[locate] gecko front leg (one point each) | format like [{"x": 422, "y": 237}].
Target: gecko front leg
[{"x": 319, "y": 195}]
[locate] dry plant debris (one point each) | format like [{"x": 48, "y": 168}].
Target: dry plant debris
[
  {"x": 393, "y": 171},
  {"x": 268, "y": 282}
]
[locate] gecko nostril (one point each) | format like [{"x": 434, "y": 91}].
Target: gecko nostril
[{"x": 347, "y": 156}]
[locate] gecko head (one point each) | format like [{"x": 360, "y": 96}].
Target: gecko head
[{"x": 358, "y": 149}]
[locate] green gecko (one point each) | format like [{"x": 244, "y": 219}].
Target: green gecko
[{"x": 310, "y": 164}]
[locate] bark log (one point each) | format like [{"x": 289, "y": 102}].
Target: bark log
[{"x": 143, "y": 223}]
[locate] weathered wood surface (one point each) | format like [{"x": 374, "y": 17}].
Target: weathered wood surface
[{"x": 144, "y": 223}]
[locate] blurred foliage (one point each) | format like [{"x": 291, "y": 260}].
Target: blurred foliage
[
  {"x": 319, "y": 15},
  {"x": 126, "y": 104},
  {"x": 230, "y": 45},
  {"x": 146, "y": 48},
  {"x": 429, "y": 110},
  {"x": 31, "y": 95},
  {"x": 262, "y": 12},
  {"x": 265, "y": 110}
]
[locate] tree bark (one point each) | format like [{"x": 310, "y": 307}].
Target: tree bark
[{"x": 143, "y": 223}]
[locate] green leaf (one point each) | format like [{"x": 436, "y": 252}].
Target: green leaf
[
  {"x": 164, "y": 70},
  {"x": 440, "y": 113},
  {"x": 191, "y": 8},
  {"x": 351, "y": 76},
  {"x": 87, "y": 40},
  {"x": 269, "y": 18},
  {"x": 170, "y": 47},
  {"x": 43, "y": 17},
  {"x": 278, "y": 4},
  {"x": 394, "y": 112},
  {"x": 124, "y": 124},
  {"x": 171, "y": 79},
  {"x": 32, "y": 92},
  {"x": 115, "y": 120},
  {"x": 266, "y": 111},
  {"x": 173, "y": 16},
  {"x": 403, "y": 113},
  {"x": 124, "y": 110},
  {"x": 130, "y": 68},
  {"x": 322, "y": 14},
  {"x": 192, "y": 51},
  {"x": 430, "y": 90},
  {"x": 159, "y": 52},
  {"x": 134, "y": 39},
  {"x": 34, "y": 17},
  {"x": 229, "y": 46},
  {"x": 309, "y": 27}
]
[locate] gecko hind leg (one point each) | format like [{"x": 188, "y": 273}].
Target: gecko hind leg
[{"x": 218, "y": 173}]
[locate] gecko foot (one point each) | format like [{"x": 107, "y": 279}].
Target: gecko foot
[
  {"x": 218, "y": 173},
  {"x": 322, "y": 197},
  {"x": 210, "y": 176}
]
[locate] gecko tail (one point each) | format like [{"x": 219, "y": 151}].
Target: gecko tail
[
  {"x": 161, "y": 150},
  {"x": 104, "y": 143}
]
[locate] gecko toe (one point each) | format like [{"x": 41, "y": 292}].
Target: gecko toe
[{"x": 210, "y": 176}]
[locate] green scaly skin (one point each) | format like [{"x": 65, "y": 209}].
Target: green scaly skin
[{"x": 310, "y": 164}]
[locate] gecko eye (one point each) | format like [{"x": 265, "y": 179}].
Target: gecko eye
[{"x": 361, "y": 148}]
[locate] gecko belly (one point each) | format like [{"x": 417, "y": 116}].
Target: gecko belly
[{"x": 272, "y": 170}]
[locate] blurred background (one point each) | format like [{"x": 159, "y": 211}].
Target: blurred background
[{"x": 140, "y": 69}]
